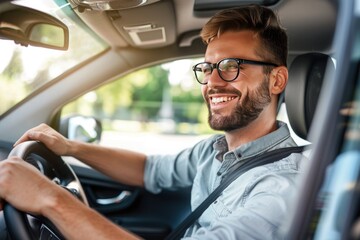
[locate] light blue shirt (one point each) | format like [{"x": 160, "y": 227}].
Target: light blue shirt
[{"x": 251, "y": 207}]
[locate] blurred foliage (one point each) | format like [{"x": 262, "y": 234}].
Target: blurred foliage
[{"x": 7, "y": 87}]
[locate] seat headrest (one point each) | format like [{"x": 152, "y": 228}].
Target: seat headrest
[{"x": 306, "y": 76}]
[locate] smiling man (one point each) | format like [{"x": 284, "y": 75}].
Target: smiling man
[
  {"x": 242, "y": 76},
  {"x": 243, "y": 104}
]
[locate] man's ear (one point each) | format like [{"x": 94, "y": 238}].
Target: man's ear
[{"x": 278, "y": 79}]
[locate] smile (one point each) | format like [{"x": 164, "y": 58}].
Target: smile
[{"x": 217, "y": 100}]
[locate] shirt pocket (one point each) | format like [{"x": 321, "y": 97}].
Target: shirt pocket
[{"x": 220, "y": 208}]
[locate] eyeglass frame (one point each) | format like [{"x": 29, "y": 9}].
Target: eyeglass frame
[{"x": 239, "y": 62}]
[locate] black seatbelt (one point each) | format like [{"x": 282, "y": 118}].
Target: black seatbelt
[{"x": 234, "y": 172}]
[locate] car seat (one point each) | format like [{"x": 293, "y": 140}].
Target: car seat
[{"x": 306, "y": 75}]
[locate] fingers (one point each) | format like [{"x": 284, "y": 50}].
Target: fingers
[
  {"x": 20, "y": 180},
  {"x": 32, "y": 134},
  {"x": 6, "y": 173},
  {"x": 45, "y": 134},
  {"x": 37, "y": 135},
  {"x": 25, "y": 137}
]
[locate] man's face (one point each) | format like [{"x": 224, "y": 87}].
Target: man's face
[{"x": 235, "y": 104}]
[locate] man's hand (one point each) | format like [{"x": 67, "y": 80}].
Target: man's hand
[
  {"x": 48, "y": 136},
  {"x": 22, "y": 185}
]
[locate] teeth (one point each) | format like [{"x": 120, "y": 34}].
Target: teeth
[{"x": 221, "y": 99}]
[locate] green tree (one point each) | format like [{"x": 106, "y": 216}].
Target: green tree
[
  {"x": 14, "y": 68},
  {"x": 12, "y": 88}
]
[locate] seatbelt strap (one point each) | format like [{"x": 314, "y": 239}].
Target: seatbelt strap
[{"x": 234, "y": 173}]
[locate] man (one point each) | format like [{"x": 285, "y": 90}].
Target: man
[{"x": 242, "y": 76}]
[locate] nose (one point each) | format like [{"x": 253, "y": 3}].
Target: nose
[{"x": 215, "y": 80}]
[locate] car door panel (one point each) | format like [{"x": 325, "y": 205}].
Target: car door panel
[{"x": 151, "y": 216}]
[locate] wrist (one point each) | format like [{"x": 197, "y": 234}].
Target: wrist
[
  {"x": 55, "y": 202},
  {"x": 72, "y": 148}
]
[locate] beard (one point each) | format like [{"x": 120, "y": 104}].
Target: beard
[{"x": 245, "y": 111}]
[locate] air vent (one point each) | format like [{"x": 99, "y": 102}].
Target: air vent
[{"x": 146, "y": 34}]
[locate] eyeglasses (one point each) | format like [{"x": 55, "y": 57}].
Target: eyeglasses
[{"x": 228, "y": 69}]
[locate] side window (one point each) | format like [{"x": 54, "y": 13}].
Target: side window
[{"x": 159, "y": 109}]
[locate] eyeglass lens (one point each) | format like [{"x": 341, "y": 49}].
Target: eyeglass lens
[{"x": 228, "y": 69}]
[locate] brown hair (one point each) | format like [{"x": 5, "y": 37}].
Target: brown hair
[{"x": 261, "y": 20}]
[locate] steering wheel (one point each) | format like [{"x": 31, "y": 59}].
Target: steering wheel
[{"x": 24, "y": 226}]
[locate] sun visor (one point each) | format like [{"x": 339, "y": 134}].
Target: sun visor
[{"x": 143, "y": 30}]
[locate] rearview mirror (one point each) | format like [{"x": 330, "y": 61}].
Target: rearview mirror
[
  {"x": 44, "y": 34},
  {"x": 26, "y": 26}
]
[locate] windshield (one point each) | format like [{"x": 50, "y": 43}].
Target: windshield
[{"x": 25, "y": 69}]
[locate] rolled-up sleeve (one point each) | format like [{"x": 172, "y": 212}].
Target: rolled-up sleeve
[
  {"x": 174, "y": 171},
  {"x": 169, "y": 172}
]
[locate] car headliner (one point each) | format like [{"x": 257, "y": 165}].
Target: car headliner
[{"x": 310, "y": 23}]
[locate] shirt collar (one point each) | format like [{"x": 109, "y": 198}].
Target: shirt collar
[{"x": 258, "y": 146}]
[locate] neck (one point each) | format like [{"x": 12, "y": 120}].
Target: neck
[{"x": 256, "y": 129}]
